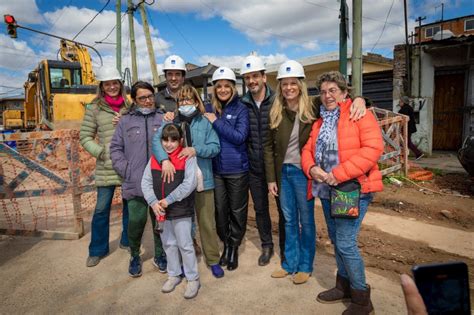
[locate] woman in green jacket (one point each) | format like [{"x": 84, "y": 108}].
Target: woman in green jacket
[{"x": 95, "y": 136}]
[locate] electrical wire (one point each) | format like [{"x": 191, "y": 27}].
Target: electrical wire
[
  {"x": 113, "y": 28},
  {"x": 180, "y": 33},
  {"x": 100, "y": 11},
  {"x": 153, "y": 24},
  {"x": 364, "y": 17},
  {"x": 385, "y": 24}
]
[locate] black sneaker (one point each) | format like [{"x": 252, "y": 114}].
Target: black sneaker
[
  {"x": 161, "y": 263},
  {"x": 135, "y": 267}
]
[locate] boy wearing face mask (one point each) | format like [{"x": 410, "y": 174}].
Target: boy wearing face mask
[{"x": 204, "y": 144}]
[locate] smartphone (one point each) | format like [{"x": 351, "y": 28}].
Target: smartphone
[{"x": 444, "y": 287}]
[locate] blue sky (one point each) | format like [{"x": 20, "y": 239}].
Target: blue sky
[{"x": 218, "y": 31}]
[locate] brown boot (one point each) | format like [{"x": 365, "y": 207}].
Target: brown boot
[
  {"x": 342, "y": 292},
  {"x": 360, "y": 303}
]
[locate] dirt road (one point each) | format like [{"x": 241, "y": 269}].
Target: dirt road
[{"x": 43, "y": 276}]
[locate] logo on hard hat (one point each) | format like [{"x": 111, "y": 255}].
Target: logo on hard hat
[
  {"x": 248, "y": 65},
  {"x": 288, "y": 69},
  {"x": 221, "y": 71},
  {"x": 173, "y": 62}
]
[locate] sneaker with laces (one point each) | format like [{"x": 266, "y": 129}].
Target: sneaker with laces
[
  {"x": 135, "y": 267},
  {"x": 217, "y": 271},
  {"x": 192, "y": 289},
  {"x": 161, "y": 263},
  {"x": 170, "y": 284}
]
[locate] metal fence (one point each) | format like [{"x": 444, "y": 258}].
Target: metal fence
[{"x": 46, "y": 184}]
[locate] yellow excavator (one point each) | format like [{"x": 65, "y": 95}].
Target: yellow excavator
[{"x": 56, "y": 91}]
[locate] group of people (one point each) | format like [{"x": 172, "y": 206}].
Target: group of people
[{"x": 180, "y": 159}]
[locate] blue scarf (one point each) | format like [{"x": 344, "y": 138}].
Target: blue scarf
[{"x": 330, "y": 119}]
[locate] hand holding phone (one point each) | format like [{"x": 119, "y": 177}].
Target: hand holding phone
[{"x": 444, "y": 288}]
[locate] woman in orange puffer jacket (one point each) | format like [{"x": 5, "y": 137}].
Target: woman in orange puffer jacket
[{"x": 339, "y": 150}]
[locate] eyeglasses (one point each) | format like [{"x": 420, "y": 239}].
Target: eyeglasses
[
  {"x": 150, "y": 97},
  {"x": 186, "y": 100},
  {"x": 331, "y": 91}
]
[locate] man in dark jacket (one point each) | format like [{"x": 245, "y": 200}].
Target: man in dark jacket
[
  {"x": 406, "y": 109},
  {"x": 175, "y": 71},
  {"x": 130, "y": 151},
  {"x": 259, "y": 99}
]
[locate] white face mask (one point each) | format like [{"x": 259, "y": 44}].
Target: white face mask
[
  {"x": 146, "y": 110},
  {"x": 187, "y": 110}
]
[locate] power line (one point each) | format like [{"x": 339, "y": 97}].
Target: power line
[
  {"x": 267, "y": 32},
  {"x": 364, "y": 17},
  {"x": 113, "y": 28},
  {"x": 108, "y": 1},
  {"x": 385, "y": 24},
  {"x": 180, "y": 33},
  {"x": 152, "y": 23}
]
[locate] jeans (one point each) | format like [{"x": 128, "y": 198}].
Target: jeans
[
  {"x": 259, "y": 192},
  {"x": 231, "y": 195},
  {"x": 177, "y": 242},
  {"x": 300, "y": 228},
  {"x": 99, "y": 245},
  {"x": 343, "y": 234},
  {"x": 138, "y": 211}
]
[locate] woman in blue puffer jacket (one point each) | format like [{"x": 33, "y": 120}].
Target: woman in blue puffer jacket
[{"x": 230, "y": 119}]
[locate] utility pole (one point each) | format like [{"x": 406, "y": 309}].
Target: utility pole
[
  {"x": 442, "y": 19},
  {"x": 343, "y": 38},
  {"x": 149, "y": 45},
  {"x": 419, "y": 19},
  {"x": 407, "y": 49},
  {"x": 357, "y": 47},
  {"x": 133, "y": 48},
  {"x": 118, "y": 36}
]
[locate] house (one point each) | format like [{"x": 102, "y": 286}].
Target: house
[
  {"x": 440, "y": 84},
  {"x": 453, "y": 27},
  {"x": 377, "y": 75}
]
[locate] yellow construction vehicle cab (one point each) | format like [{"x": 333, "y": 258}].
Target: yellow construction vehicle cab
[
  {"x": 55, "y": 96},
  {"x": 57, "y": 91}
]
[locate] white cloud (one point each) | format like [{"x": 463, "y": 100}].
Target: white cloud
[
  {"x": 307, "y": 25},
  {"x": 24, "y": 11},
  {"x": 67, "y": 22}
]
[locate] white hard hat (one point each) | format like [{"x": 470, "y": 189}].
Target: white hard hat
[
  {"x": 174, "y": 62},
  {"x": 223, "y": 73},
  {"x": 290, "y": 69},
  {"x": 107, "y": 73},
  {"x": 251, "y": 64}
]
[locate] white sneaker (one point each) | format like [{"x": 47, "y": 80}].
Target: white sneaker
[
  {"x": 170, "y": 284},
  {"x": 192, "y": 289}
]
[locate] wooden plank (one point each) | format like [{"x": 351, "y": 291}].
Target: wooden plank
[
  {"x": 391, "y": 169},
  {"x": 46, "y": 234}
]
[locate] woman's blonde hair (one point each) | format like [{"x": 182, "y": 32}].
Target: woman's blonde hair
[
  {"x": 99, "y": 96},
  {"x": 216, "y": 104},
  {"x": 187, "y": 91},
  {"x": 305, "y": 108}
]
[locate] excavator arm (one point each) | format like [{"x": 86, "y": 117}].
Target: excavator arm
[{"x": 70, "y": 51}]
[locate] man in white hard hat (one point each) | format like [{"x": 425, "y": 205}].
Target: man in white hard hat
[
  {"x": 175, "y": 71},
  {"x": 259, "y": 99}
]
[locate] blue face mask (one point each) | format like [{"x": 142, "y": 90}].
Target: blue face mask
[
  {"x": 187, "y": 110},
  {"x": 146, "y": 110}
]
